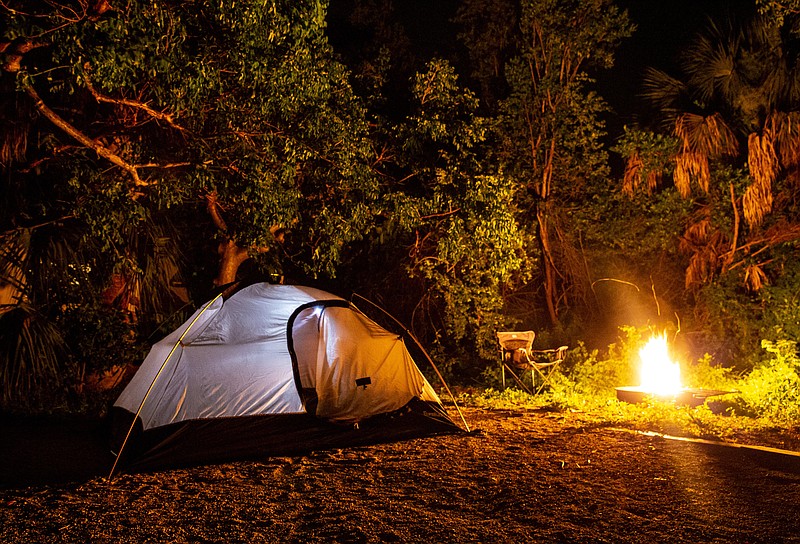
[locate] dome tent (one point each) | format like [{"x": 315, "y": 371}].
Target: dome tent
[{"x": 272, "y": 370}]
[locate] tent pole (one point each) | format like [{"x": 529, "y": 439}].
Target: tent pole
[
  {"x": 424, "y": 352},
  {"x": 149, "y": 389}
]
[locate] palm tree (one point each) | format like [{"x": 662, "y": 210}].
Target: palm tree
[{"x": 734, "y": 104}]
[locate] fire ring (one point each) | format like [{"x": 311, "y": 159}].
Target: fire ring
[{"x": 684, "y": 397}]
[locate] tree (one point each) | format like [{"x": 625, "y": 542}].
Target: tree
[
  {"x": 466, "y": 243},
  {"x": 550, "y": 125},
  {"x": 728, "y": 140},
  {"x": 734, "y": 107},
  {"x": 231, "y": 122}
]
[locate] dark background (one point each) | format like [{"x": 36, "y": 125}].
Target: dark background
[{"x": 663, "y": 28}]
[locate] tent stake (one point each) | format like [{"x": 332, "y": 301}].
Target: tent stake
[
  {"x": 149, "y": 389},
  {"x": 425, "y": 353}
]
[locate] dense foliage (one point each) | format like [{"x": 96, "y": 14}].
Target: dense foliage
[
  {"x": 725, "y": 140},
  {"x": 176, "y": 142},
  {"x": 152, "y": 153}
]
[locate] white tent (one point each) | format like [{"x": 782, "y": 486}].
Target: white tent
[{"x": 274, "y": 369}]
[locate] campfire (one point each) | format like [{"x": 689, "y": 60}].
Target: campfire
[
  {"x": 659, "y": 374},
  {"x": 660, "y": 378}
]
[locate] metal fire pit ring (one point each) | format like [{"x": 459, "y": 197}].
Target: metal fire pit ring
[{"x": 686, "y": 397}]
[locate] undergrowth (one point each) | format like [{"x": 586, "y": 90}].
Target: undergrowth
[{"x": 767, "y": 398}]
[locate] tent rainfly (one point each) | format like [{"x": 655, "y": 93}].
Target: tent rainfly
[{"x": 272, "y": 370}]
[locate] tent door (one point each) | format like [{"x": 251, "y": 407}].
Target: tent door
[{"x": 349, "y": 368}]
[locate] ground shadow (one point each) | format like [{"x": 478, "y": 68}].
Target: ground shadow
[{"x": 45, "y": 450}]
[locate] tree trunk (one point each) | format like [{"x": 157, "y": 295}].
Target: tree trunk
[
  {"x": 548, "y": 267},
  {"x": 231, "y": 256}
]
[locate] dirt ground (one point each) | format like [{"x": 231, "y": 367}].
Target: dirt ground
[{"x": 518, "y": 477}]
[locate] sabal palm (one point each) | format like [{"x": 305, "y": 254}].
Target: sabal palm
[
  {"x": 53, "y": 274},
  {"x": 739, "y": 88}
]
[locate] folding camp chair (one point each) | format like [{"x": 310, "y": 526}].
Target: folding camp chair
[{"x": 516, "y": 353}]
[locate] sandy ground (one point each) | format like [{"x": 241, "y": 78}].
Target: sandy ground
[{"x": 518, "y": 477}]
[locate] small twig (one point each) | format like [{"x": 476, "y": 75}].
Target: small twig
[
  {"x": 443, "y": 214},
  {"x": 653, "y": 288},
  {"x": 615, "y": 280}
]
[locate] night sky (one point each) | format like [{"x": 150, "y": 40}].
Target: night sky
[{"x": 663, "y": 28}]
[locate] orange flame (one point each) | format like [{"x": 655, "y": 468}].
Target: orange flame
[{"x": 659, "y": 374}]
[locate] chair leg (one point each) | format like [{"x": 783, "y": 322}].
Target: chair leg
[
  {"x": 545, "y": 377},
  {"x": 545, "y": 381},
  {"x": 519, "y": 381}
]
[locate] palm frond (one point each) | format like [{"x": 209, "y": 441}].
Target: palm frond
[
  {"x": 711, "y": 70},
  {"x": 30, "y": 351},
  {"x": 707, "y": 135},
  {"x": 632, "y": 177},
  {"x": 711, "y": 62},
  {"x": 702, "y": 265},
  {"x": 756, "y": 203},
  {"x": 152, "y": 267},
  {"x": 654, "y": 178},
  {"x": 15, "y": 123},
  {"x": 779, "y": 84},
  {"x": 704, "y": 243},
  {"x": 690, "y": 166},
  {"x": 791, "y": 80},
  {"x": 663, "y": 92},
  {"x": 696, "y": 234},
  {"x": 681, "y": 177},
  {"x": 763, "y": 164},
  {"x": 754, "y": 278},
  {"x": 786, "y": 130},
  {"x": 13, "y": 255},
  {"x": 14, "y": 143}
]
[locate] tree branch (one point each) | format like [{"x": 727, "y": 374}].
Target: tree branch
[
  {"x": 100, "y": 149},
  {"x": 729, "y": 259},
  {"x": 15, "y": 50},
  {"x": 777, "y": 235},
  {"x": 213, "y": 209},
  {"x": 155, "y": 114}
]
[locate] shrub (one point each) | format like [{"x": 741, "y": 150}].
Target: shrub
[
  {"x": 30, "y": 350},
  {"x": 588, "y": 379},
  {"x": 772, "y": 389},
  {"x": 706, "y": 373}
]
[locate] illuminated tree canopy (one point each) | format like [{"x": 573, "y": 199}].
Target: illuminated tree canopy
[
  {"x": 154, "y": 153},
  {"x": 153, "y": 146}
]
